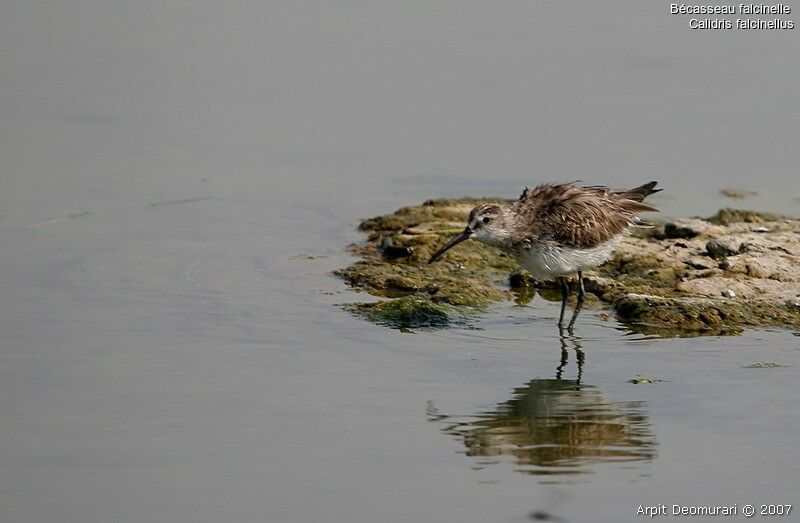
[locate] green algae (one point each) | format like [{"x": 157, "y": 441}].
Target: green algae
[{"x": 408, "y": 313}]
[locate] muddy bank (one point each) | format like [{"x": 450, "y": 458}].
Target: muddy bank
[{"x": 689, "y": 276}]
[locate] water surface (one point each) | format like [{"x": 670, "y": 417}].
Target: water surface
[{"x": 178, "y": 181}]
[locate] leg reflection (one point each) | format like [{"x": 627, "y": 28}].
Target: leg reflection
[
  {"x": 564, "y": 358},
  {"x": 555, "y": 428},
  {"x": 580, "y": 356}
]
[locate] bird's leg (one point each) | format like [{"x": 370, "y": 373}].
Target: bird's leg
[
  {"x": 581, "y": 298},
  {"x": 564, "y": 296}
]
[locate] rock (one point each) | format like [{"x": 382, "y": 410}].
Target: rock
[
  {"x": 599, "y": 285},
  {"x": 390, "y": 250},
  {"x": 737, "y": 194},
  {"x": 745, "y": 289},
  {"x": 764, "y": 266},
  {"x": 737, "y": 269},
  {"x": 726, "y": 246},
  {"x": 673, "y": 314},
  {"x": 520, "y": 279},
  {"x": 728, "y": 216},
  {"x": 687, "y": 228},
  {"x": 701, "y": 262}
]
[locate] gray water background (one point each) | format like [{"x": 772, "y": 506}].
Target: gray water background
[{"x": 169, "y": 352}]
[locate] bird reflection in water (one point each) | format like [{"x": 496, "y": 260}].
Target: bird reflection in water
[{"x": 555, "y": 426}]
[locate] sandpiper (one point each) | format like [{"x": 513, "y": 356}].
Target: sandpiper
[{"x": 556, "y": 230}]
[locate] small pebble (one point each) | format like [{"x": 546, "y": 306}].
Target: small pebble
[{"x": 728, "y": 293}]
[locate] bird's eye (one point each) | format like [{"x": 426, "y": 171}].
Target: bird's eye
[{"x": 486, "y": 219}]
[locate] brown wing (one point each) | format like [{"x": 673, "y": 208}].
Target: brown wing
[{"x": 581, "y": 217}]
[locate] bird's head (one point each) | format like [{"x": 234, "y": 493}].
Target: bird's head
[{"x": 486, "y": 224}]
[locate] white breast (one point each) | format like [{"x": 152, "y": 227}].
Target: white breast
[{"x": 549, "y": 260}]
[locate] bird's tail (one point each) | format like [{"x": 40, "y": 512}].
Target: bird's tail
[
  {"x": 638, "y": 194},
  {"x": 632, "y": 202}
]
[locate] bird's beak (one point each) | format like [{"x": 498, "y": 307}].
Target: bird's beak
[{"x": 466, "y": 234}]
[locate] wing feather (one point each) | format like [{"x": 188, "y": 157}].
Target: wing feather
[{"x": 580, "y": 217}]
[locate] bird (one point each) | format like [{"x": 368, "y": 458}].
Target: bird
[{"x": 557, "y": 230}]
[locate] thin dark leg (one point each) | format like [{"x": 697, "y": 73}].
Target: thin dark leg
[
  {"x": 564, "y": 296},
  {"x": 581, "y": 298}
]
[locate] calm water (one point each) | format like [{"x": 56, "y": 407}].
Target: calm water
[{"x": 169, "y": 351}]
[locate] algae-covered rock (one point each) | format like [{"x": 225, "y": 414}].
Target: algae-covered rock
[
  {"x": 728, "y": 216},
  {"x": 676, "y": 315},
  {"x": 737, "y": 194},
  {"x": 408, "y": 313},
  {"x": 688, "y": 276}
]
